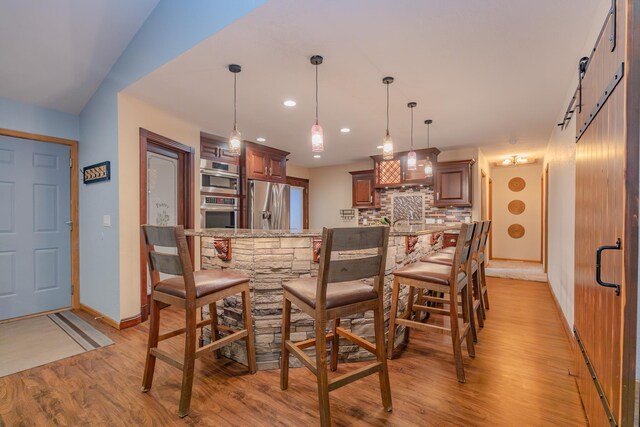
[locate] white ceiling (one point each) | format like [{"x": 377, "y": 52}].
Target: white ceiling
[
  {"x": 55, "y": 53},
  {"x": 487, "y": 72}
]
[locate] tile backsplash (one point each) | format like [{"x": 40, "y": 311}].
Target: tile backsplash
[{"x": 414, "y": 204}]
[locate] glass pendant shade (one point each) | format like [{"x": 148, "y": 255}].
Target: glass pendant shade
[
  {"x": 235, "y": 142},
  {"x": 428, "y": 169},
  {"x": 387, "y": 147},
  {"x": 317, "y": 138},
  {"x": 412, "y": 161}
]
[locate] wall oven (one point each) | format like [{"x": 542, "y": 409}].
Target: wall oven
[
  {"x": 216, "y": 177},
  {"x": 218, "y": 212}
]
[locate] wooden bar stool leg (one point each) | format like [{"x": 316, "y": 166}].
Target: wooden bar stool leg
[
  {"x": 392, "y": 318},
  {"x": 467, "y": 316},
  {"x": 410, "y": 314},
  {"x": 484, "y": 286},
  {"x": 189, "y": 363},
  {"x": 455, "y": 333},
  {"x": 479, "y": 295},
  {"x": 248, "y": 324},
  {"x": 385, "y": 386},
  {"x": 215, "y": 334},
  {"x": 473, "y": 333},
  {"x": 321, "y": 367},
  {"x": 284, "y": 352},
  {"x": 154, "y": 331},
  {"x": 335, "y": 345}
]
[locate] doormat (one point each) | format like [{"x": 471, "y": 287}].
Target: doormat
[{"x": 28, "y": 343}]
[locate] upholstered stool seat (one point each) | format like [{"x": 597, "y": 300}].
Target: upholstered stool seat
[
  {"x": 338, "y": 294},
  {"x": 207, "y": 282}
]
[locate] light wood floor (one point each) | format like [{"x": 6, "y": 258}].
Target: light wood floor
[{"x": 518, "y": 378}]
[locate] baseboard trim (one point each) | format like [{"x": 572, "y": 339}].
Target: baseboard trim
[
  {"x": 130, "y": 321},
  {"x": 565, "y": 324},
  {"x": 99, "y": 316},
  {"x": 515, "y": 259}
]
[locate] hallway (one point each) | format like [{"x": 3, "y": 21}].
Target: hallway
[{"x": 519, "y": 377}]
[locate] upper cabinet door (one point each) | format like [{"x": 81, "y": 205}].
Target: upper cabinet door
[
  {"x": 277, "y": 167},
  {"x": 388, "y": 173},
  {"x": 419, "y": 176},
  {"x": 257, "y": 164},
  {"x": 363, "y": 192},
  {"x": 215, "y": 148},
  {"x": 453, "y": 183}
]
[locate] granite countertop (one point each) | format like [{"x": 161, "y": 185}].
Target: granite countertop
[{"x": 230, "y": 233}]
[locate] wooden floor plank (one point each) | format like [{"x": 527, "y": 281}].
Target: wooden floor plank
[{"x": 519, "y": 377}]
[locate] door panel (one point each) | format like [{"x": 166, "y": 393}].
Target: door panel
[
  {"x": 35, "y": 242},
  {"x": 601, "y": 167}
]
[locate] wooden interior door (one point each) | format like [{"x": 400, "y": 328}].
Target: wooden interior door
[{"x": 606, "y": 213}]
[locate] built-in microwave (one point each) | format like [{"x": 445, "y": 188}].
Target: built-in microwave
[
  {"x": 216, "y": 177},
  {"x": 218, "y": 212}
]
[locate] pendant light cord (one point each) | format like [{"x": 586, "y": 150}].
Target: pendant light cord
[
  {"x": 316, "y": 93},
  {"x": 387, "y": 108},
  {"x": 235, "y": 121},
  {"x": 428, "y": 127}
]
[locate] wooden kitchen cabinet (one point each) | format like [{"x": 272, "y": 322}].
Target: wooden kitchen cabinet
[
  {"x": 453, "y": 184},
  {"x": 217, "y": 149},
  {"x": 265, "y": 163},
  {"x": 395, "y": 173},
  {"x": 363, "y": 193}
]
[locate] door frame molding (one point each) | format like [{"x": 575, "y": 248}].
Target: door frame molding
[
  {"x": 490, "y": 203},
  {"x": 186, "y": 154},
  {"x": 304, "y": 183},
  {"x": 74, "y": 179}
]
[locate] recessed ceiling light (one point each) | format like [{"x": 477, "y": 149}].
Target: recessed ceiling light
[
  {"x": 345, "y": 130},
  {"x": 316, "y": 156},
  {"x": 289, "y": 103},
  {"x": 380, "y": 147},
  {"x": 261, "y": 139}
]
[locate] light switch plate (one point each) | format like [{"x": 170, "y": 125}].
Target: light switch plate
[{"x": 106, "y": 220}]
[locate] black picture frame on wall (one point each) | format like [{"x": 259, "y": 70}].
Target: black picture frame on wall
[{"x": 98, "y": 172}]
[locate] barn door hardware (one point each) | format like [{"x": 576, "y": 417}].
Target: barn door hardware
[
  {"x": 612, "y": 18},
  {"x": 617, "y": 77},
  {"x": 601, "y": 249},
  {"x": 577, "y": 95}
]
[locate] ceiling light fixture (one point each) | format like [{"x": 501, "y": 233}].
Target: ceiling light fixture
[
  {"x": 235, "y": 139},
  {"x": 411, "y": 157},
  {"x": 316, "y": 156},
  {"x": 387, "y": 142},
  {"x": 428, "y": 168},
  {"x": 289, "y": 103},
  {"x": 317, "y": 134},
  {"x": 345, "y": 130},
  {"x": 515, "y": 160},
  {"x": 379, "y": 147},
  {"x": 261, "y": 139}
]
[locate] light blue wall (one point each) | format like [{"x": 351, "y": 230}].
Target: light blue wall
[
  {"x": 171, "y": 29},
  {"x": 27, "y": 118}
]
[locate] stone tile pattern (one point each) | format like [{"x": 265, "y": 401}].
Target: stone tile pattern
[
  {"x": 449, "y": 215},
  {"x": 269, "y": 262},
  {"x": 407, "y": 206}
]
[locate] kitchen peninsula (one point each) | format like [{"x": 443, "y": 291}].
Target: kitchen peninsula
[{"x": 271, "y": 257}]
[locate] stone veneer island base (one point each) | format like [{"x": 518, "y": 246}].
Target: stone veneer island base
[{"x": 271, "y": 257}]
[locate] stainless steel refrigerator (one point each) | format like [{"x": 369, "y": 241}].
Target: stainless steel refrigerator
[{"x": 268, "y": 205}]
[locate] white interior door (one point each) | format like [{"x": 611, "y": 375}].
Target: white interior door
[{"x": 35, "y": 239}]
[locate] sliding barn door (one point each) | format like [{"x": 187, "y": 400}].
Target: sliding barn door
[{"x": 605, "y": 237}]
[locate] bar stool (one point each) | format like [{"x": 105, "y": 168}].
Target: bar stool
[
  {"x": 446, "y": 258},
  {"x": 339, "y": 290},
  {"x": 441, "y": 279},
  {"x": 481, "y": 260},
  {"x": 189, "y": 290}
]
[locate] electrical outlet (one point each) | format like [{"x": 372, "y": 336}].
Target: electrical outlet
[{"x": 106, "y": 220}]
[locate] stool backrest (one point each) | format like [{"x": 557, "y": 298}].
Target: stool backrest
[
  {"x": 464, "y": 247},
  {"x": 160, "y": 262},
  {"x": 372, "y": 240},
  {"x": 486, "y": 226}
]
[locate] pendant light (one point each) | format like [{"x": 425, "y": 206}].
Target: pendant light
[
  {"x": 411, "y": 158},
  {"x": 235, "y": 140},
  {"x": 428, "y": 168},
  {"x": 387, "y": 142},
  {"x": 317, "y": 134}
]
